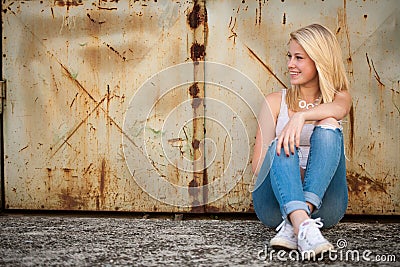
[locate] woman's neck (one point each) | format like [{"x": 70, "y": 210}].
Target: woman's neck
[{"x": 310, "y": 94}]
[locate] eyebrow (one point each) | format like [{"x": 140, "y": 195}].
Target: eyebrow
[{"x": 296, "y": 54}]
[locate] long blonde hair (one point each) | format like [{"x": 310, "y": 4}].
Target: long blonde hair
[{"x": 323, "y": 48}]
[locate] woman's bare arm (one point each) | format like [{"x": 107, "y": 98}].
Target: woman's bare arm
[
  {"x": 266, "y": 128},
  {"x": 290, "y": 136}
]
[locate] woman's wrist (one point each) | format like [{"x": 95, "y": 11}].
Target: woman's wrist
[
  {"x": 311, "y": 114},
  {"x": 302, "y": 115}
]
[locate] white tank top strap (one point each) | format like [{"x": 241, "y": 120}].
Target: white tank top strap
[{"x": 283, "y": 116}]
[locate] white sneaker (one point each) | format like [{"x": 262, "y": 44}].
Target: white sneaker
[
  {"x": 285, "y": 238},
  {"x": 310, "y": 240}
]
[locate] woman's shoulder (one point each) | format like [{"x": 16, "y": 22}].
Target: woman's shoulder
[
  {"x": 274, "y": 95},
  {"x": 274, "y": 101}
]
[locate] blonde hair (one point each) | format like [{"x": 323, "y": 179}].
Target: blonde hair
[{"x": 323, "y": 48}]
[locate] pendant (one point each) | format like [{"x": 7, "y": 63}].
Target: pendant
[{"x": 303, "y": 104}]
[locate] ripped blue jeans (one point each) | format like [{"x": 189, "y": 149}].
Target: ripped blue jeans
[{"x": 279, "y": 189}]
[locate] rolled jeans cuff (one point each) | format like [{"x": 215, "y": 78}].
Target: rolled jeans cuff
[
  {"x": 294, "y": 205},
  {"x": 313, "y": 199}
]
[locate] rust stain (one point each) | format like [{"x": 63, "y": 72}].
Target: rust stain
[
  {"x": 68, "y": 3},
  {"x": 68, "y": 201},
  {"x": 194, "y": 90},
  {"x": 97, "y": 203},
  {"x": 351, "y": 141},
  {"x": 73, "y": 101},
  {"x": 8, "y": 8},
  {"x": 195, "y": 144},
  {"x": 369, "y": 65},
  {"x": 260, "y": 12},
  {"x": 77, "y": 127},
  {"x": 115, "y": 51},
  {"x": 87, "y": 169},
  {"x": 205, "y": 188},
  {"x": 266, "y": 66},
  {"x": 376, "y": 75},
  {"x": 256, "y": 15},
  {"x": 176, "y": 142},
  {"x": 25, "y": 147},
  {"x": 109, "y": 97},
  {"x": 394, "y": 95},
  {"x": 54, "y": 79},
  {"x": 194, "y": 191},
  {"x": 194, "y": 93},
  {"x": 212, "y": 209},
  {"x": 197, "y": 16},
  {"x": 231, "y": 28},
  {"x": 68, "y": 73},
  {"x": 197, "y": 51},
  {"x": 371, "y": 146},
  {"x": 102, "y": 179},
  {"x": 343, "y": 24},
  {"x": 93, "y": 20},
  {"x": 362, "y": 184},
  {"x": 107, "y": 8},
  {"x": 193, "y": 187},
  {"x": 196, "y": 102}
]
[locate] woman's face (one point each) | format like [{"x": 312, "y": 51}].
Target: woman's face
[{"x": 301, "y": 67}]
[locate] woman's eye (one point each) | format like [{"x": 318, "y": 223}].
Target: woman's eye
[
  {"x": 289, "y": 55},
  {"x": 299, "y": 57}
]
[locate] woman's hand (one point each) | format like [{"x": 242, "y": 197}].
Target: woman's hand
[{"x": 289, "y": 138}]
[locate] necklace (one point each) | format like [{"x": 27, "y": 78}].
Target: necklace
[{"x": 303, "y": 103}]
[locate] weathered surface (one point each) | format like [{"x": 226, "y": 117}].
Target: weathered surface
[
  {"x": 75, "y": 71},
  {"x": 90, "y": 241}
]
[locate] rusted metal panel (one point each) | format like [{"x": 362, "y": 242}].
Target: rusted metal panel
[
  {"x": 252, "y": 36},
  {"x": 373, "y": 143},
  {"x": 111, "y": 107},
  {"x": 73, "y": 68}
]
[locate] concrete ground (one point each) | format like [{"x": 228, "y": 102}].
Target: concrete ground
[{"x": 177, "y": 240}]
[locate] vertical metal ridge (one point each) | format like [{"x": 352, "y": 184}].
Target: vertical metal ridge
[{"x": 2, "y": 180}]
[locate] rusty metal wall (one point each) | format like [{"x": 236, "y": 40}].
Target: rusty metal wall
[
  {"x": 72, "y": 68},
  {"x": 252, "y": 36},
  {"x": 110, "y": 107}
]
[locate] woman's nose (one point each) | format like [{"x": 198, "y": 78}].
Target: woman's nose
[{"x": 290, "y": 62}]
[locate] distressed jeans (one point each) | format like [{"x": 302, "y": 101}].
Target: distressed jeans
[{"x": 279, "y": 189}]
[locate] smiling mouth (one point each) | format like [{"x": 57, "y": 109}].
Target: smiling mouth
[{"x": 294, "y": 72}]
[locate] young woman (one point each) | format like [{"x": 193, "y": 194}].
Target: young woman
[{"x": 301, "y": 173}]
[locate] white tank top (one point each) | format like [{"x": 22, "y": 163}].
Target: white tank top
[{"x": 283, "y": 119}]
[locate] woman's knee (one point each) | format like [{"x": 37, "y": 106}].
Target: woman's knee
[{"x": 331, "y": 123}]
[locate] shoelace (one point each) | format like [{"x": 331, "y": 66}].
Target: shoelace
[
  {"x": 282, "y": 225},
  {"x": 303, "y": 230}
]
